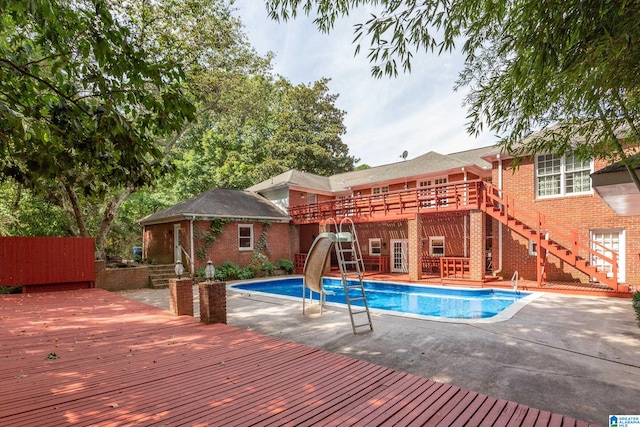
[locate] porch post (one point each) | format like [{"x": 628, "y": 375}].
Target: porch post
[
  {"x": 477, "y": 237},
  {"x": 415, "y": 247}
]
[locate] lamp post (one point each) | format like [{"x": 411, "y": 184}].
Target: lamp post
[
  {"x": 209, "y": 271},
  {"x": 179, "y": 269}
]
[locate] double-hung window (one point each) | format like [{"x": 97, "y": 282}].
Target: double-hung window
[
  {"x": 562, "y": 175},
  {"x": 375, "y": 246},
  {"x": 436, "y": 245},
  {"x": 245, "y": 237}
]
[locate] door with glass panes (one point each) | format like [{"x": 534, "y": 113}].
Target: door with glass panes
[
  {"x": 608, "y": 241},
  {"x": 399, "y": 255}
]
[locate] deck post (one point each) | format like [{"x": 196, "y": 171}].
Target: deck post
[
  {"x": 477, "y": 243},
  {"x": 181, "y": 297},
  {"x": 213, "y": 302},
  {"x": 414, "y": 226}
]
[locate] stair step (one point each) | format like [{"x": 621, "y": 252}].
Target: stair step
[
  {"x": 359, "y": 312},
  {"x": 356, "y": 299}
]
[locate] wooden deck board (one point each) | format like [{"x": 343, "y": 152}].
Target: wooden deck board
[{"x": 121, "y": 362}]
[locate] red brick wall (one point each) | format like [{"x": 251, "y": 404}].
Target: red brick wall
[
  {"x": 225, "y": 248},
  {"x": 582, "y": 213},
  {"x": 385, "y": 231},
  {"x": 451, "y": 226},
  {"x": 158, "y": 242},
  {"x": 118, "y": 279}
]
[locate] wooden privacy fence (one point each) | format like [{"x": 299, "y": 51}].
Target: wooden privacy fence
[{"x": 41, "y": 264}]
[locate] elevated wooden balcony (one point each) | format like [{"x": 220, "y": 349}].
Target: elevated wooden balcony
[{"x": 403, "y": 204}]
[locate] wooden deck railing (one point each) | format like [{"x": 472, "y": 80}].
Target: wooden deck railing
[
  {"x": 560, "y": 240},
  {"x": 455, "y": 267},
  {"x": 450, "y": 197}
]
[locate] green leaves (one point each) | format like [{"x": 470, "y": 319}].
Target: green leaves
[{"x": 78, "y": 101}]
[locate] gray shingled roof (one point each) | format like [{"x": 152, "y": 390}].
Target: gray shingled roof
[
  {"x": 428, "y": 163},
  {"x": 220, "y": 203}
]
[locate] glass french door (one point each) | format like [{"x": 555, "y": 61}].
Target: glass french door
[
  {"x": 399, "y": 255},
  {"x": 613, "y": 241}
]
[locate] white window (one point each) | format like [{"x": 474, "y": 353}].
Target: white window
[
  {"x": 533, "y": 248},
  {"x": 557, "y": 176},
  {"x": 312, "y": 198},
  {"x": 436, "y": 246},
  {"x": 375, "y": 246},
  {"x": 245, "y": 237},
  {"x": 434, "y": 192},
  {"x": 378, "y": 190}
]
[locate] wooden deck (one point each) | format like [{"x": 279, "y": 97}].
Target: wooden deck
[{"x": 89, "y": 357}]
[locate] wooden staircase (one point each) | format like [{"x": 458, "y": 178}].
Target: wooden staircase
[{"x": 562, "y": 242}]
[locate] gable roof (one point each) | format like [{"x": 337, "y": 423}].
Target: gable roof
[
  {"x": 428, "y": 163},
  {"x": 219, "y": 203}
]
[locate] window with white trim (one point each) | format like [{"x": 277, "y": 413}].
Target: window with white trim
[
  {"x": 557, "y": 176},
  {"x": 245, "y": 237},
  {"x": 375, "y": 246},
  {"x": 379, "y": 190},
  {"x": 436, "y": 245},
  {"x": 435, "y": 193},
  {"x": 312, "y": 198}
]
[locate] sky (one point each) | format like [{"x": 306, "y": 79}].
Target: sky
[{"x": 417, "y": 112}]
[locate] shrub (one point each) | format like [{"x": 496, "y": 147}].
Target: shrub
[
  {"x": 246, "y": 273},
  {"x": 286, "y": 265},
  {"x": 267, "y": 267},
  {"x": 227, "y": 271}
]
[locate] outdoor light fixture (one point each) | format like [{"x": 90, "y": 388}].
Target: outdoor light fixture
[
  {"x": 209, "y": 271},
  {"x": 179, "y": 269}
]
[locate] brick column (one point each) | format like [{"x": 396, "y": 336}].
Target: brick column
[
  {"x": 415, "y": 247},
  {"x": 181, "y": 297},
  {"x": 213, "y": 302},
  {"x": 477, "y": 242}
]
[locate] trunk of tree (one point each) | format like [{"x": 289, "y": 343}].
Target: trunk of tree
[
  {"x": 109, "y": 215},
  {"x": 77, "y": 211}
]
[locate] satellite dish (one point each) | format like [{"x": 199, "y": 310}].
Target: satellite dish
[{"x": 405, "y": 153}]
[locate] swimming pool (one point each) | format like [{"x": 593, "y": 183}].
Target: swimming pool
[{"x": 436, "y": 303}]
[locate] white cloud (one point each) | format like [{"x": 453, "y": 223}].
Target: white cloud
[{"x": 417, "y": 112}]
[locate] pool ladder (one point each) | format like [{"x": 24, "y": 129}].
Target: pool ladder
[
  {"x": 351, "y": 269},
  {"x": 514, "y": 282}
]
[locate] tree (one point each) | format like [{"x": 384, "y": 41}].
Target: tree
[
  {"x": 82, "y": 104},
  {"x": 79, "y": 102},
  {"x": 565, "y": 67},
  {"x": 263, "y": 126}
]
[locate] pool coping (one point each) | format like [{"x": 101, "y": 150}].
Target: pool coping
[{"x": 505, "y": 314}]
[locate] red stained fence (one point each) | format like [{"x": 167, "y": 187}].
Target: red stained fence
[{"x": 41, "y": 264}]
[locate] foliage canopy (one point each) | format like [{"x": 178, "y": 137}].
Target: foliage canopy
[{"x": 564, "y": 66}]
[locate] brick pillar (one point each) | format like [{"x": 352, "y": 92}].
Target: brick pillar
[
  {"x": 477, "y": 242},
  {"x": 181, "y": 297},
  {"x": 415, "y": 247},
  {"x": 213, "y": 302}
]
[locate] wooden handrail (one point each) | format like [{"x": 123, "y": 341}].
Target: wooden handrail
[
  {"x": 548, "y": 234},
  {"x": 436, "y": 198}
]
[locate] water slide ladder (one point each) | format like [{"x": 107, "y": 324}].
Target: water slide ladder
[{"x": 351, "y": 269}]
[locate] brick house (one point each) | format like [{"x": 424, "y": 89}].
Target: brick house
[
  {"x": 470, "y": 215},
  {"x": 218, "y": 225}
]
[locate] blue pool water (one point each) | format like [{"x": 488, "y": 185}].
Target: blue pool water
[{"x": 441, "y": 302}]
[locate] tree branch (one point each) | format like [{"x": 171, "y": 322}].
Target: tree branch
[
  {"x": 46, "y": 83},
  {"x": 624, "y": 159}
]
